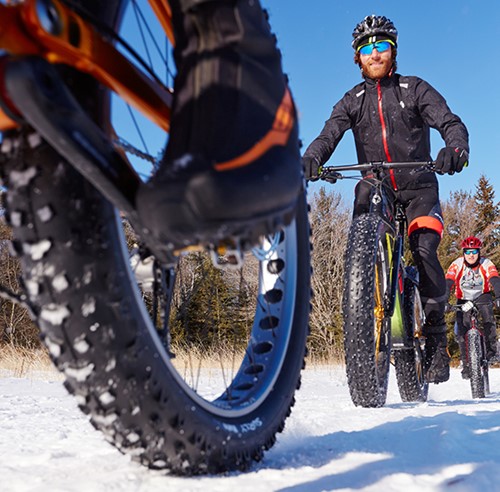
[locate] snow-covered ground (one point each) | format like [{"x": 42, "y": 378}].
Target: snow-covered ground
[{"x": 449, "y": 443}]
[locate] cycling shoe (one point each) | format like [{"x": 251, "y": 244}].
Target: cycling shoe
[{"x": 232, "y": 165}]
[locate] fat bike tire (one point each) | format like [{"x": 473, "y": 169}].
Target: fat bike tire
[
  {"x": 78, "y": 280},
  {"x": 409, "y": 361},
  {"x": 477, "y": 376},
  {"x": 411, "y": 383},
  {"x": 366, "y": 328}
]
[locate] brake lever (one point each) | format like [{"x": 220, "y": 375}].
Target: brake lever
[
  {"x": 325, "y": 175},
  {"x": 430, "y": 166}
]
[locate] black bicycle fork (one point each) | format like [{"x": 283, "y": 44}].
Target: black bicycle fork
[
  {"x": 397, "y": 275},
  {"x": 380, "y": 206}
]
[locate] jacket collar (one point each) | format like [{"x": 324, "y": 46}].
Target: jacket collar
[{"x": 384, "y": 81}]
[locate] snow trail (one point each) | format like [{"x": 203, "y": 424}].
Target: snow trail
[{"x": 451, "y": 442}]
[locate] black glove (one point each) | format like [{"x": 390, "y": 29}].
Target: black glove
[
  {"x": 497, "y": 302},
  {"x": 451, "y": 160},
  {"x": 311, "y": 168}
]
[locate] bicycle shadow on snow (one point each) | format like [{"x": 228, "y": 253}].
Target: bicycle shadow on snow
[{"x": 414, "y": 446}]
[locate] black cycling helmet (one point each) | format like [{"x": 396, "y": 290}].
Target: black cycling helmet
[{"x": 374, "y": 25}]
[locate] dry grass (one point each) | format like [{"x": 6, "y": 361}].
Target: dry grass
[
  {"x": 331, "y": 355},
  {"x": 199, "y": 358},
  {"x": 20, "y": 362},
  {"x": 225, "y": 357}
]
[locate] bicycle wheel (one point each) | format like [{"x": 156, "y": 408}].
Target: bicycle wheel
[
  {"x": 477, "y": 370},
  {"x": 366, "y": 328},
  {"x": 188, "y": 414},
  {"x": 409, "y": 361}
]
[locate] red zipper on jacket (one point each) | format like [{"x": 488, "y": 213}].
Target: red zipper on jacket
[{"x": 384, "y": 134}]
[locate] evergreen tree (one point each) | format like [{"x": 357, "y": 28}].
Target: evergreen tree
[
  {"x": 487, "y": 216},
  {"x": 459, "y": 222},
  {"x": 205, "y": 311}
]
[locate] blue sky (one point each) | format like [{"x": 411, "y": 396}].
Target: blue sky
[{"x": 449, "y": 43}]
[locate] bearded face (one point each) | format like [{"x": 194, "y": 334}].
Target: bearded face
[{"x": 376, "y": 65}]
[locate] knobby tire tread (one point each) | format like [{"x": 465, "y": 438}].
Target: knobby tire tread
[
  {"x": 475, "y": 360},
  {"x": 367, "y": 387},
  {"x": 87, "y": 306},
  {"x": 408, "y": 362},
  {"x": 410, "y": 389},
  {"x": 65, "y": 234}
]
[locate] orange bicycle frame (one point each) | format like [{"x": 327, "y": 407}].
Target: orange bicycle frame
[{"x": 79, "y": 45}]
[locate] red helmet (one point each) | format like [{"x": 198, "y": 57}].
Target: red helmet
[{"x": 471, "y": 242}]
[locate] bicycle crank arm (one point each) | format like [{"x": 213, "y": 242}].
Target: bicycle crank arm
[{"x": 39, "y": 94}]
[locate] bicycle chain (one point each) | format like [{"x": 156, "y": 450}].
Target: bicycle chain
[{"x": 128, "y": 147}]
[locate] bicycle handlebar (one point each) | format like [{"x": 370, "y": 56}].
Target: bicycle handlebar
[
  {"x": 335, "y": 171},
  {"x": 475, "y": 305}
]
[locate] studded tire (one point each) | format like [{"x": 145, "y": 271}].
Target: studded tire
[
  {"x": 92, "y": 319},
  {"x": 366, "y": 334},
  {"x": 409, "y": 361},
  {"x": 479, "y": 378}
]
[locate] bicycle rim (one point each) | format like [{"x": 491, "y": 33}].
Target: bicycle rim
[
  {"x": 381, "y": 322},
  {"x": 242, "y": 362},
  {"x": 419, "y": 317}
]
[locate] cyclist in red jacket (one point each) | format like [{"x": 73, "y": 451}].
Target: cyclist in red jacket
[{"x": 473, "y": 277}]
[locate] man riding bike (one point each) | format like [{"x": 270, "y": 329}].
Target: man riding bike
[
  {"x": 473, "y": 277},
  {"x": 390, "y": 116}
]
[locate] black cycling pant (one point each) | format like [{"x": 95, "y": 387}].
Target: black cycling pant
[
  {"x": 432, "y": 284},
  {"x": 425, "y": 226},
  {"x": 487, "y": 320}
]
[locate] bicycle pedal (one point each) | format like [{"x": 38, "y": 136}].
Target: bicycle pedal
[{"x": 225, "y": 256}]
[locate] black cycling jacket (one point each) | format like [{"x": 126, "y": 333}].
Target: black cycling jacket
[{"x": 391, "y": 120}]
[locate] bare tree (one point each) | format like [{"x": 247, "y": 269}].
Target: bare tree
[
  {"x": 16, "y": 326},
  {"x": 330, "y": 220}
]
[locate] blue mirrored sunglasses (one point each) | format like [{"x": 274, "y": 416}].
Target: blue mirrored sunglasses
[
  {"x": 471, "y": 251},
  {"x": 380, "y": 46}
]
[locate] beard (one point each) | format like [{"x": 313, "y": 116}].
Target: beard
[{"x": 377, "y": 70}]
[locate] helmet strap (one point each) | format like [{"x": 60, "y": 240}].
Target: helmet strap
[{"x": 475, "y": 264}]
